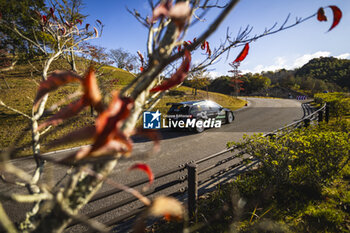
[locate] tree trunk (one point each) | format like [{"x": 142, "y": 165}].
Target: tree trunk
[{"x": 72, "y": 61}]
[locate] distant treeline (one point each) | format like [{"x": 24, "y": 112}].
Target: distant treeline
[{"x": 318, "y": 75}]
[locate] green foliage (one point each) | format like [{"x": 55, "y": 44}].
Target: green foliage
[
  {"x": 221, "y": 85},
  {"x": 305, "y": 158},
  {"x": 255, "y": 83},
  {"x": 11, "y": 10},
  {"x": 328, "y": 69},
  {"x": 339, "y": 103}
]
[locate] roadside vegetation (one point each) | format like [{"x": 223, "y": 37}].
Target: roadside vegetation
[{"x": 302, "y": 184}]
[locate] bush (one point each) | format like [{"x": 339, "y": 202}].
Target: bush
[
  {"x": 339, "y": 103},
  {"x": 305, "y": 159}
]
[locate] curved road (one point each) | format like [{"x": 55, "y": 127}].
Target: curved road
[{"x": 178, "y": 147}]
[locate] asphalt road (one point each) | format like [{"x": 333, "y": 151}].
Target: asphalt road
[{"x": 177, "y": 147}]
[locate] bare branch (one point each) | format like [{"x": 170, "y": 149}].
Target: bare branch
[
  {"x": 14, "y": 110},
  {"x": 21, "y": 198}
]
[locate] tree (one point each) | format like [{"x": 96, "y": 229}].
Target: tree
[
  {"x": 10, "y": 10},
  {"x": 52, "y": 37},
  {"x": 116, "y": 122},
  {"x": 123, "y": 59},
  {"x": 70, "y": 11},
  {"x": 198, "y": 80}
]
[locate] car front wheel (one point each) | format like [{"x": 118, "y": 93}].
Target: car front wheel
[
  {"x": 229, "y": 117},
  {"x": 199, "y": 129}
]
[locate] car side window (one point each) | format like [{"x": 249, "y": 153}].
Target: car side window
[
  {"x": 214, "y": 107},
  {"x": 204, "y": 107}
]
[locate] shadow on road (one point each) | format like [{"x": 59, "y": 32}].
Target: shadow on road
[{"x": 164, "y": 135}]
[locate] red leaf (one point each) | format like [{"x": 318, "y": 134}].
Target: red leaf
[
  {"x": 67, "y": 112},
  {"x": 162, "y": 10},
  {"x": 208, "y": 48},
  {"x": 79, "y": 21},
  {"x": 109, "y": 121},
  {"x": 337, "y": 15},
  {"x": 320, "y": 15},
  {"x": 44, "y": 18},
  {"x": 92, "y": 93},
  {"x": 54, "y": 81},
  {"x": 98, "y": 21},
  {"x": 145, "y": 168},
  {"x": 203, "y": 45},
  {"x": 179, "y": 75},
  {"x": 179, "y": 48},
  {"x": 141, "y": 69},
  {"x": 87, "y": 26},
  {"x": 243, "y": 54}
]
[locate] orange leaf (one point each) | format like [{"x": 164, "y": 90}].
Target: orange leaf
[
  {"x": 167, "y": 207},
  {"x": 145, "y": 168},
  {"x": 96, "y": 32},
  {"x": 179, "y": 75},
  {"x": 337, "y": 15},
  {"x": 243, "y": 54},
  {"x": 54, "y": 81},
  {"x": 320, "y": 15}
]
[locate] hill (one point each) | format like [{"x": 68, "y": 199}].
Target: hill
[
  {"x": 23, "y": 82},
  {"x": 328, "y": 69}
]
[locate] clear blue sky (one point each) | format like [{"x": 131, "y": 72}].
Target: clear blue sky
[{"x": 287, "y": 49}]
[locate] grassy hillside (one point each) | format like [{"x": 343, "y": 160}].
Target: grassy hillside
[{"x": 23, "y": 88}]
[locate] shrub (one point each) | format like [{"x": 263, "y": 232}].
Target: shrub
[
  {"x": 339, "y": 103},
  {"x": 305, "y": 159}
]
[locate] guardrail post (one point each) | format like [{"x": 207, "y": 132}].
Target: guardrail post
[
  {"x": 327, "y": 112},
  {"x": 306, "y": 122},
  {"x": 192, "y": 189},
  {"x": 320, "y": 116}
]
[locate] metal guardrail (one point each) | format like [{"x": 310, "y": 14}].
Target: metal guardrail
[{"x": 197, "y": 175}]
